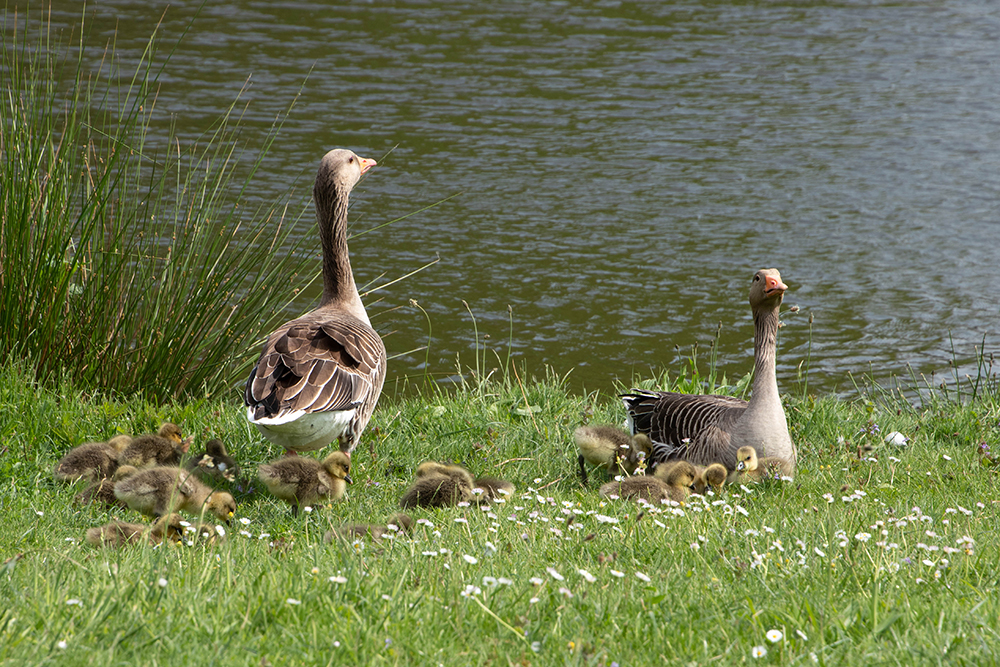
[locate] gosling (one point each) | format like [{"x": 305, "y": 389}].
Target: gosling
[
  {"x": 102, "y": 492},
  {"x": 610, "y": 448},
  {"x": 438, "y": 485},
  {"x": 748, "y": 466},
  {"x": 162, "y": 490},
  {"x": 91, "y": 461},
  {"x": 119, "y": 534},
  {"x": 492, "y": 488},
  {"x": 166, "y": 448},
  {"x": 302, "y": 481},
  {"x": 714, "y": 476},
  {"x": 398, "y": 524},
  {"x": 214, "y": 462},
  {"x": 671, "y": 481}
]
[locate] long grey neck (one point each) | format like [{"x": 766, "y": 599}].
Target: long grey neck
[
  {"x": 339, "y": 289},
  {"x": 765, "y": 335}
]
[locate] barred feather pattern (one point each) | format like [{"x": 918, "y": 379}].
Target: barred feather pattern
[
  {"x": 324, "y": 361},
  {"x": 691, "y": 427}
]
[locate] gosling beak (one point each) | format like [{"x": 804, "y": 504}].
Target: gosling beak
[
  {"x": 741, "y": 466},
  {"x": 366, "y": 163},
  {"x": 347, "y": 478}
]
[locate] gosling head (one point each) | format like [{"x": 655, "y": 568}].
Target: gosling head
[
  {"x": 746, "y": 459},
  {"x": 339, "y": 466},
  {"x": 222, "y": 505},
  {"x": 680, "y": 473},
  {"x": 171, "y": 432}
]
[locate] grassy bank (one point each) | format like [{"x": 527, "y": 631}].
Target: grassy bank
[{"x": 886, "y": 557}]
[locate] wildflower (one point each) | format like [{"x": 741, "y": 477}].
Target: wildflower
[
  {"x": 490, "y": 581},
  {"x": 245, "y": 521},
  {"x": 555, "y": 575},
  {"x": 386, "y": 597},
  {"x": 605, "y": 519},
  {"x": 618, "y": 574},
  {"x": 429, "y": 553},
  {"x": 828, "y": 497},
  {"x": 536, "y": 581},
  {"x": 819, "y": 552},
  {"x": 758, "y": 651},
  {"x": 461, "y": 519},
  {"x": 61, "y": 645},
  {"x": 587, "y": 575},
  {"x": 774, "y": 636},
  {"x": 533, "y": 601},
  {"x": 75, "y": 601},
  {"x": 802, "y": 635},
  {"x": 565, "y": 591},
  {"x": 471, "y": 590},
  {"x": 695, "y": 546},
  {"x": 741, "y": 510},
  {"x": 504, "y": 581},
  {"x": 471, "y": 560},
  {"x": 928, "y": 563},
  {"x": 642, "y": 576},
  {"x": 308, "y": 509},
  {"x": 336, "y": 644},
  {"x": 536, "y": 646},
  {"x": 862, "y": 537},
  {"x": 338, "y": 579},
  {"x": 293, "y": 601},
  {"x": 161, "y": 582}
]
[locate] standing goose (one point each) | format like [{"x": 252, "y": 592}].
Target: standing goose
[
  {"x": 319, "y": 376},
  {"x": 705, "y": 429}
]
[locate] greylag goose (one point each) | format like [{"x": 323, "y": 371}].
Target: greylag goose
[
  {"x": 302, "y": 481},
  {"x": 92, "y": 461},
  {"x": 319, "y": 376},
  {"x": 610, "y": 448},
  {"x": 215, "y": 462},
  {"x": 160, "y": 491},
  {"x": 166, "y": 448},
  {"x": 756, "y": 469},
  {"x": 706, "y": 429}
]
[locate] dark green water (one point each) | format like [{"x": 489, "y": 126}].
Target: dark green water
[{"x": 624, "y": 167}]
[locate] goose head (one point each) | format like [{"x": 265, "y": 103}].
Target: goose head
[
  {"x": 342, "y": 169},
  {"x": 766, "y": 288}
]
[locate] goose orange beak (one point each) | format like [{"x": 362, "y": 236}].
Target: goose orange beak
[
  {"x": 774, "y": 285},
  {"x": 366, "y": 164}
]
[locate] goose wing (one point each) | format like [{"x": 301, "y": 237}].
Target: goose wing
[
  {"x": 685, "y": 426},
  {"x": 316, "y": 365}
]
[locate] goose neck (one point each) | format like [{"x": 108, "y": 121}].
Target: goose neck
[{"x": 338, "y": 279}]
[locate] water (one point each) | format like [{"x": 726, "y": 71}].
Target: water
[{"x": 624, "y": 167}]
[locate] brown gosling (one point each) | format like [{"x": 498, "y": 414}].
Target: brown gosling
[
  {"x": 714, "y": 476},
  {"x": 102, "y": 492},
  {"x": 166, "y": 489},
  {"x": 118, "y": 534},
  {"x": 166, "y": 448},
  {"x": 492, "y": 489},
  {"x": 302, "y": 481},
  {"x": 610, "y": 448},
  {"x": 429, "y": 468},
  {"x": 398, "y": 524},
  {"x": 214, "y": 462},
  {"x": 91, "y": 461},
  {"x": 438, "y": 490},
  {"x": 750, "y": 467}
]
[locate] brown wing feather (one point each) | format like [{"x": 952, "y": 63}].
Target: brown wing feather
[
  {"x": 685, "y": 426},
  {"x": 318, "y": 363}
]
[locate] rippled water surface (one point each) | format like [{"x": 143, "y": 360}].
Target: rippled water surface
[{"x": 624, "y": 167}]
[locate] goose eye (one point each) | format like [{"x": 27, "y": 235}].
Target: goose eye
[
  {"x": 756, "y": 278},
  {"x": 350, "y": 160}
]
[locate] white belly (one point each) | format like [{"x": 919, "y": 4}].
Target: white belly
[{"x": 304, "y": 431}]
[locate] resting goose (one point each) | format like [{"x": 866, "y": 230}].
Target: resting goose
[
  {"x": 319, "y": 376},
  {"x": 705, "y": 429}
]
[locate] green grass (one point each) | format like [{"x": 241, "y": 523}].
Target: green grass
[
  {"x": 271, "y": 600},
  {"x": 132, "y": 258}
]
